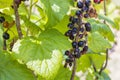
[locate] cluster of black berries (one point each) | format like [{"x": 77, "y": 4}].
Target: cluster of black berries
[
  {"x": 77, "y": 32},
  {"x": 6, "y": 36}
]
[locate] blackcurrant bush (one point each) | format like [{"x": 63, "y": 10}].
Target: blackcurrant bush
[
  {"x": 2, "y": 19},
  {"x": 80, "y": 4},
  {"x": 74, "y": 44},
  {"x": 81, "y": 43},
  {"x": 6, "y": 36}
]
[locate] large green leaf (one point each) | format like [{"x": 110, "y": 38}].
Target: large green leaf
[
  {"x": 55, "y": 10},
  {"x": 62, "y": 26},
  {"x": 97, "y": 60},
  {"x": 31, "y": 49},
  {"x": 83, "y": 63},
  {"x": 103, "y": 17},
  {"x": 32, "y": 27},
  {"x": 64, "y": 74},
  {"x": 103, "y": 29},
  {"x": 5, "y": 3},
  {"x": 10, "y": 69},
  {"x": 97, "y": 43},
  {"x": 47, "y": 68}
]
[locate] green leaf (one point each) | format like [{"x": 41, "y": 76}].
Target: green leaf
[
  {"x": 89, "y": 76},
  {"x": 47, "y": 68},
  {"x": 100, "y": 16},
  {"x": 62, "y": 26},
  {"x": 103, "y": 29},
  {"x": 1, "y": 38},
  {"x": 97, "y": 60},
  {"x": 33, "y": 28},
  {"x": 97, "y": 43},
  {"x": 31, "y": 49},
  {"x": 105, "y": 76},
  {"x": 64, "y": 74},
  {"x": 10, "y": 69},
  {"x": 55, "y": 10},
  {"x": 5, "y": 3},
  {"x": 83, "y": 63}
]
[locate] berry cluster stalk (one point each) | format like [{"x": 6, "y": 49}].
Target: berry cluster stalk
[{"x": 17, "y": 19}]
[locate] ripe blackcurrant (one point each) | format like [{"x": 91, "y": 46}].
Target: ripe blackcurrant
[
  {"x": 77, "y": 50},
  {"x": 67, "y": 52},
  {"x": 86, "y": 15},
  {"x": 74, "y": 30},
  {"x": 70, "y": 25},
  {"x": 6, "y": 36},
  {"x": 77, "y": 55},
  {"x": 80, "y": 4},
  {"x": 75, "y": 20},
  {"x": 81, "y": 43},
  {"x": 2, "y": 19},
  {"x": 71, "y": 37},
  {"x": 87, "y": 3},
  {"x": 81, "y": 29},
  {"x": 85, "y": 8},
  {"x": 74, "y": 44},
  {"x": 88, "y": 27},
  {"x": 78, "y": 12},
  {"x": 85, "y": 48}
]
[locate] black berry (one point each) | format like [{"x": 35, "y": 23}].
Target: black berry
[
  {"x": 70, "y": 25},
  {"x": 80, "y": 4},
  {"x": 81, "y": 43},
  {"x": 67, "y": 52},
  {"x": 85, "y": 48},
  {"x": 2, "y": 19},
  {"x": 86, "y": 15},
  {"x": 87, "y": 3},
  {"x": 6, "y": 36},
  {"x": 88, "y": 27},
  {"x": 74, "y": 44},
  {"x": 71, "y": 37},
  {"x": 85, "y": 8},
  {"x": 78, "y": 12},
  {"x": 74, "y": 30}
]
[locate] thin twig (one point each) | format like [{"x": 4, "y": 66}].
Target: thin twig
[
  {"x": 73, "y": 70},
  {"x": 17, "y": 19},
  {"x": 4, "y": 45},
  {"x": 106, "y": 62}
]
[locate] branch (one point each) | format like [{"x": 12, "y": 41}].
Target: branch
[
  {"x": 17, "y": 19},
  {"x": 4, "y": 45},
  {"x": 73, "y": 70},
  {"x": 106, "y": 62}
]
